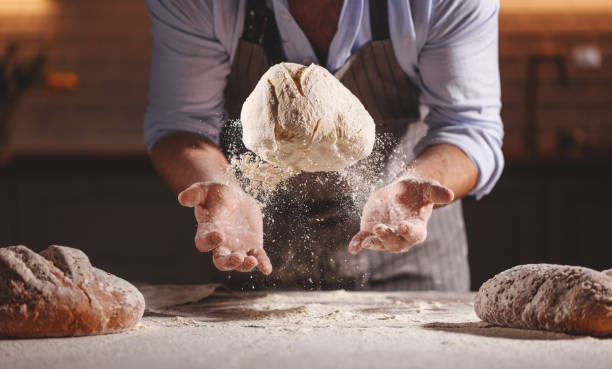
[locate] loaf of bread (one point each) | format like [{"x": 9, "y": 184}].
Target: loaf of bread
[
  {"x": 59, "y": 293},
  {"x": 549, "y": 297}
]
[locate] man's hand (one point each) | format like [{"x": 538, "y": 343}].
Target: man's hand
[
  {"x": 229, "y": 224},
  {"x": 395, "y": 217}
]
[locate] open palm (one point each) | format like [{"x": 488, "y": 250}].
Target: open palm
[
  {"x": 229, "y": 225},
  {"x": 395, "y": 217}
]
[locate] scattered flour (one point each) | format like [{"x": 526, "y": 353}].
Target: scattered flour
[
  {"x": 260, "y": 179},
  {"x": 330, "y": 329},
  {"x": 179, "y": 321},
  {"x": 308, "y": 310}
]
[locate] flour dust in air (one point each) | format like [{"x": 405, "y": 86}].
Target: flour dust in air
[
  {"x": 298, "y": 213},
  {"x": 306, "y": 149}
]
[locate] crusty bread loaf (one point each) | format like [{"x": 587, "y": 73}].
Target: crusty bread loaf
[
  {"x": 548, "y": 297},
  {"x": 59, "y": 293}
]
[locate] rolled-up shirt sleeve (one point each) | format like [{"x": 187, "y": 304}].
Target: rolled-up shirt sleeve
[
  {"x": 189, "y": 66},
  {"x": 459, "y": 79}
]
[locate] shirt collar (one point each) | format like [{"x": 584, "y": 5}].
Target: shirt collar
[{"x": 298, "y": 49}]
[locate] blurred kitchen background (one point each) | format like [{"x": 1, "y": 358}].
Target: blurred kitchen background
[{"x": 73, "y": 169}]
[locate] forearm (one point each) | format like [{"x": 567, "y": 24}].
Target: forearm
[
  {"x": 448, "y": 165},
  {"x": 183, "y": 159}
]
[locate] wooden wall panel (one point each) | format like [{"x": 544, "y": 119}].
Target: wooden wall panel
[
  {"x": 505, "y": 228},
  {"x": 120, "y": 215},
  {"x": 578, "y": 221},
  {"x": 7, "y": 208},
  {"x": 541, "y": 214},
  {"x": 107, "y": 44},
  {"x": 572, "y": 102}
]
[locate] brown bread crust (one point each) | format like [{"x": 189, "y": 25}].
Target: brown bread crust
[
  {"x": 59, "y": 293},
  {"x": 549, "y": 297}
]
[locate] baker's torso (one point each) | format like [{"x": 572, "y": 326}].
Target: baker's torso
[{"x": 307, "y": 237}]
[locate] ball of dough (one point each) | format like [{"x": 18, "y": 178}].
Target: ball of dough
[{"x": 304, "y": 118}]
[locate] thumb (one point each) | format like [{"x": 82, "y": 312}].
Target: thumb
[
  {"x": 356, "y": 242},
  {"x": 439, "y": 194},
  {"x": 193, "y": 195}
]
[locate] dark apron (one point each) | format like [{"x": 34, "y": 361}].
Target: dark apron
[{"x": 307, "y": 227}]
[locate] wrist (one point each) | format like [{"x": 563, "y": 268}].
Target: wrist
[
  {"x": 412, "y": 175},
  {"x": 446, "y": 165},
  {"x": 183, "y": 159}
]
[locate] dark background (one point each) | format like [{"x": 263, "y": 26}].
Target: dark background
[{"x": 76, "y": 172}]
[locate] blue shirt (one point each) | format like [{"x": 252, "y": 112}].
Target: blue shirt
[{"x": 448, "y": 48}]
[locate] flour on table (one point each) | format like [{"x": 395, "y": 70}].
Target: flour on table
[{"x": 298, "y": 310}]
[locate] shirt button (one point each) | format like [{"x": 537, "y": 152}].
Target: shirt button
[
  {"x": 306, "y": 61},
  {"x": 286, "y": 17}
]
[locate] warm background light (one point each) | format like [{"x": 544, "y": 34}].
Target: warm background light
[
  {"x": 24, "y": 19},
  {"x": 556, "y": 5},
  {"x": 25, "y": 7}
]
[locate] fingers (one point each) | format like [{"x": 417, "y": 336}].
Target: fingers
[
  {"x": 373, "y": 242},
  {"x": 355, "y": 244},
  {"x": 193, "y": 195},
  {"x": 392, "y": 240},
  {"x": 413, "y": 231},
  {"x": 263, "y": 262},
  {"x": 382, "y": 230},
  {"x": 221, "y": 258},
  {"x": 208, "y": 237},
  {"x": 224, "y": 259},
  {"x": 248, "y": 264},
  {"x": 235, "y": 260},
  {"x": 365, "y": 240},
  {"x": 395, "y": 240}
]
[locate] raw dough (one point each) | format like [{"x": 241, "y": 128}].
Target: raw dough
[{"x": 303, "y": 118}]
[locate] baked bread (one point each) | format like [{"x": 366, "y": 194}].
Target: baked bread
[
  {"x": 59, "y": 293},
  {"x": 549, "y": 297}
]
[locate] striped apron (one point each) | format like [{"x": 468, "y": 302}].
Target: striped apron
[{"x": 307, "y": 227}]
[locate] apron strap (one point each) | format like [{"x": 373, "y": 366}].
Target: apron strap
[
  {"x": 260, "y": 28},
  {"x": 379, "y": 20}
]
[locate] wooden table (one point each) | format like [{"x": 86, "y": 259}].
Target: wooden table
[{"x": 334, "y": 329}]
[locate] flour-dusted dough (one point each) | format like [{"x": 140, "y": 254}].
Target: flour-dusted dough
[
  {"x": 550, "y": 297},
  {"x": 303, "y": 118},
  {"x": 59, "y": 293}
]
